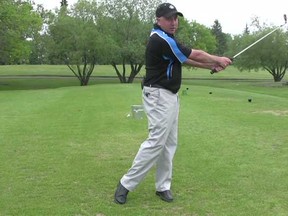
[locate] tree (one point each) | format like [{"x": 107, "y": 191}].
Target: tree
[
  {"x": 220, "y": 38},
  {"x": 269, "y": 54},
  {"x": 40, "y": 50},
  {"x": 276, "y": 65},
  {"x": 19, "y": 24},
  {"x": 41, "y": 43},
  {"x": 64, "y": 3},
  {"x": 129, "y": 22},
  {"x": 196, "y": 36},
  {"x": 77, "y": 41},
  {"x": 246, "y": 30}
]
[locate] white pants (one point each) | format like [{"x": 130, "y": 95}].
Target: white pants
[{"x": 162, "y": 108}]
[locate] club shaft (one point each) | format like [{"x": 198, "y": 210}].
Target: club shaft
[{"x": 248, "y": 47}]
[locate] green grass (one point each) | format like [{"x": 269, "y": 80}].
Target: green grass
[
  {"x": 107, "y": 70},
  {"x": 64, "y": 148},
  {"x": 60, "y": 70}
]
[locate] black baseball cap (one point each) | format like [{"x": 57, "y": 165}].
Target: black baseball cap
[{"x": 167, "y": 10}]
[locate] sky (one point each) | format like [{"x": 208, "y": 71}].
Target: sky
[{"x": 232, "y": 15}]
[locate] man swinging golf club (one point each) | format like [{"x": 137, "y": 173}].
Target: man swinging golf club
[{"x": 164, "y": 59}]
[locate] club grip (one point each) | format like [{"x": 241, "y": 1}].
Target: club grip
[{"x": 214, "y": 71}]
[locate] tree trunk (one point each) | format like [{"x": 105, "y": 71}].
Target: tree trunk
[
  {"x": 277, "y": 72},
  {"x": 83, "y": 74},
  {"x": 135, "y": 69},
  {"x": 122, "y": 80}
]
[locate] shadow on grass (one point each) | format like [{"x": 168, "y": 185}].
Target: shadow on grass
[
  {"x": 34, "y": 83},
  {"x": 46, "y": 82}
]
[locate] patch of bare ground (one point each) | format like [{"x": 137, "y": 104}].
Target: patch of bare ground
[{"x": 274, "y": 112}]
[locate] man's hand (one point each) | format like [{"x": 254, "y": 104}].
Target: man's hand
[{"x": 223, "y": 62}]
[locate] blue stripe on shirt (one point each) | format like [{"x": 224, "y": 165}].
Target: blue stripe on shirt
[
  {"x": 172, "y": 43},
  {"x": 170, "y": 67}
]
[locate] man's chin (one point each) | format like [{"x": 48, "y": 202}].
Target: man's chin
[{"x": 172, "y": 31}]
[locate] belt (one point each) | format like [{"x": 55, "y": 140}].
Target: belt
[{"x": 154, "y": 86}]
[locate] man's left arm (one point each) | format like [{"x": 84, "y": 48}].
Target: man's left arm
[{"x": 202, "y": 59}]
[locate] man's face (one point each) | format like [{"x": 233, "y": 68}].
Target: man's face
[{"x": 168, "y": 24}]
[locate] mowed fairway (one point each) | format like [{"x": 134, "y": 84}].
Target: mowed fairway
[{"x": 64, "y": 149}]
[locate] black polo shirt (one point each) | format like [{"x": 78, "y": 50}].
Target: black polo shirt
[{"x": 164, "y": 58}]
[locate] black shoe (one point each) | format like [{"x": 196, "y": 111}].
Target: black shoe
[
  {"x": 165, "y": 195},
  {"x": 120, "y": 194}
]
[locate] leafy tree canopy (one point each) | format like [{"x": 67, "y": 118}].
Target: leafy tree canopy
[
  {"x": 269, "y": 54},
  {"x": 19, "y": 23}
]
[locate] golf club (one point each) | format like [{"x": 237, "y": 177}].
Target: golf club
[{"x": 248, "y": 47}]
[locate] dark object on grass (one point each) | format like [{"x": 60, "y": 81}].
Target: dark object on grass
[{"x": 185, "y": 91}]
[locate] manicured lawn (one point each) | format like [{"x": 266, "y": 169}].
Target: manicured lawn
[{"x": 64, "y": 147}]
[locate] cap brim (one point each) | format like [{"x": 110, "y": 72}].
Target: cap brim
[{"x": 173, "y": 13}]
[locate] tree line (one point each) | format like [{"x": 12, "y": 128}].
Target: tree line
[{"x": 115, "y": 32}]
